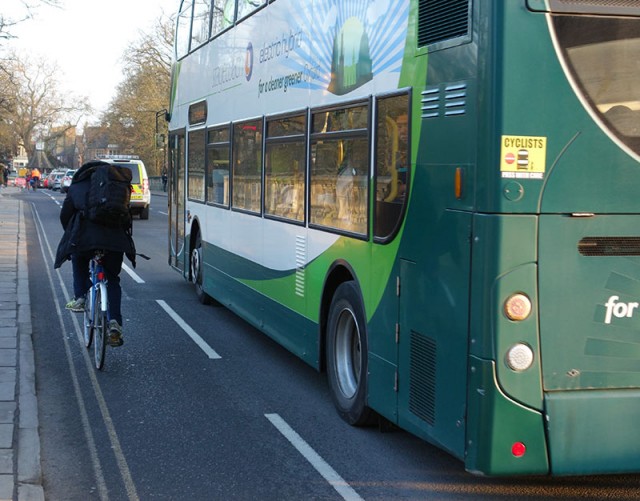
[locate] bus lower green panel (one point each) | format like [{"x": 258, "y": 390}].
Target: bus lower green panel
[
  {"x": 495, "y": 423},
  {"x": 382, "y": 396},
  {"x": 296, "y": 333},
  {"x": 594, "y": 431}
]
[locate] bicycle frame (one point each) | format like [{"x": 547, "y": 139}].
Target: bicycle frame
[{"x": 96, "y": 315}]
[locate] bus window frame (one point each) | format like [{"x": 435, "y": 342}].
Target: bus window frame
[
  {"x": 188, "y": 165},
  {"x": 293, "y": 138},
  {"x": 336, "y": 136},
  {"x": 189, "y": 25},
  {"x": 239, "y": 18},
  {"x": 212, "y": 34},
  {"x": 390, "y": 95},
  {"x": 232, "y": 183},
  {"x": 193, "y": 48},
  {"x": 210, "y": 145}
]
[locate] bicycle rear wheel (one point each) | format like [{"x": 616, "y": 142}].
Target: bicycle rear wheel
[
  {"x": 100, "y": 330},
  {"x": 88, "y": 321}
]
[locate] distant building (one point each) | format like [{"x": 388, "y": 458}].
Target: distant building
[{"x": 96, "y": 142}]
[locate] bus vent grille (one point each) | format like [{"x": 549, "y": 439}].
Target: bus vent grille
[
  {"x": 422, "y": 377},
  {"x": 440, "y": 20},
  {"x": 609, "y": 246},
  {"x": 301, "y": 259},
  {"x": 454, "y": 98},
  {"x": 431, "y": 102}
]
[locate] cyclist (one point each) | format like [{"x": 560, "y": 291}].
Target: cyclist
[
  {"x": 81, "y": 238},
  {"x": 35, "y": 178}
]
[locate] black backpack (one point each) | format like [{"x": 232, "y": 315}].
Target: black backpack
[{"x": 109, "y": 196}]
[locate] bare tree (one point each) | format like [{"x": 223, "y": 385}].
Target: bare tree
[
  {"x": 22, "y": 11},
  {"x": 34, "y": 103},
  {"x": 136, "y": 109}
]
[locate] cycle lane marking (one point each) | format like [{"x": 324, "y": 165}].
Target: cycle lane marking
[
  {"x": 121, "y": 461},
  {"x": 132, "y": 274},
  {"x": 210, "y": 352},
  {"x": 321, "y": 466}
]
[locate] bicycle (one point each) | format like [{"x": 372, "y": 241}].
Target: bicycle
[{"x": 96, "y": 310}]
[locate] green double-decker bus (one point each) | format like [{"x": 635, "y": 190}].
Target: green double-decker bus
[{"x": 435, "y": 202}]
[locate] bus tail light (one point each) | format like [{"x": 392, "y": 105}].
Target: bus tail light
[
  {"x": 519, "y": 357},
  {"x": 517, "y": 307},
  {"x": 518, "y": 449}
]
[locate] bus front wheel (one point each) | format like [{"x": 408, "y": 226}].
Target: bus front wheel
[
  {"x": 347, "y": 355},
  {"x": 196, "y": 271}
]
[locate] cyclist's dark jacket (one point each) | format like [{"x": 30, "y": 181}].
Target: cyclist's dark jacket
[{"x": 80, "y": 234}]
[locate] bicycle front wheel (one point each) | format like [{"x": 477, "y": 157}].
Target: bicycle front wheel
[
  {"x": 88, "y": 321},
  {"x": 100, "y": 329}
]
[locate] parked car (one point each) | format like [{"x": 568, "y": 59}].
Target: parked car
[
  {"x": 54, "y": 182},
  {"x": 65, "y": 181}
]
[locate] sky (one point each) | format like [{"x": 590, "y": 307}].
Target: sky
[{"x": 86, "y": 39}]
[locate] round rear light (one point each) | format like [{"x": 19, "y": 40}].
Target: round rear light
[
  {"x": 518, "y": 449},
  {"x": 517, "y": 307},
  {"x": 519, "y": 357}
]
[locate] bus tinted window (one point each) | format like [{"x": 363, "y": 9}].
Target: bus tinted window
[
  {"x": 196, "y": 165},
  {"x": 339, "y": 175},
  {"x": 342, "y": 119},
  {"x": 218, "y": 153},
  {"x": 392, "y": 162},
  {"x": 285, "y": 168},
  {"x": 247, "y": 165},
  {"x": 603, "y": 54},
  {"x": 201, "y": 18},
  {"x": 218, "y": 136},
  {"x": 286, "y": 126},
  {"x": 183, "y": 29}
]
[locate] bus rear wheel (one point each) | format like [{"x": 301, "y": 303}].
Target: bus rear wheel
[
  {"x": 347, "y": 355},
  {"x": 196, "y": 271}
]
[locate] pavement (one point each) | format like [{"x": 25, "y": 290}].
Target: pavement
[{"x": 20, "y": 471}]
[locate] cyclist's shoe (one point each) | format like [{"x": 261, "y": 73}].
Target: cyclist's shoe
[
  {"x": 76, "y": 305},
  {"x": 115, "y": 333}
]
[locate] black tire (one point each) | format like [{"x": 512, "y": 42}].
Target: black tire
[
  {"x": 347, "y": 358},
  {"x": 100, "y": 327},
  {"x": 195, "y": 264},
  {"x": 88, "y": 324},
  {"x": 144, "y": 213}
]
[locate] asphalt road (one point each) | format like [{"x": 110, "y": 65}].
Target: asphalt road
[{"x": 232, "y": 416}]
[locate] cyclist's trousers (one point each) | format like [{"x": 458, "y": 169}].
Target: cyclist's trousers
[{"x": 112, "y": 263}]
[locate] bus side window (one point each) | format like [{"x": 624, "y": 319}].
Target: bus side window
[
  {"x": 223, "y": 15},
  {"x": 246, "y": 7},
  {"x": 392, "y": 164}
]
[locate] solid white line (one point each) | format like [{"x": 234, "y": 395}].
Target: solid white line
[
  {"x": 132, "y": 274},
  {"x": 163, "y": 213},
  {"x": 329, "y": 474},
  {"x": 211, "y": 353}
]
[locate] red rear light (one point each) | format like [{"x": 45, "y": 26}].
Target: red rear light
[
  {"x": 145, "y": 185},
  {"x": 518, "y": 449}
]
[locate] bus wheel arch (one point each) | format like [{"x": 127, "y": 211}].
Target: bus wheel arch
[
  {"x": 195, "y": 264},
  {"x": 346, "y": 357}
]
